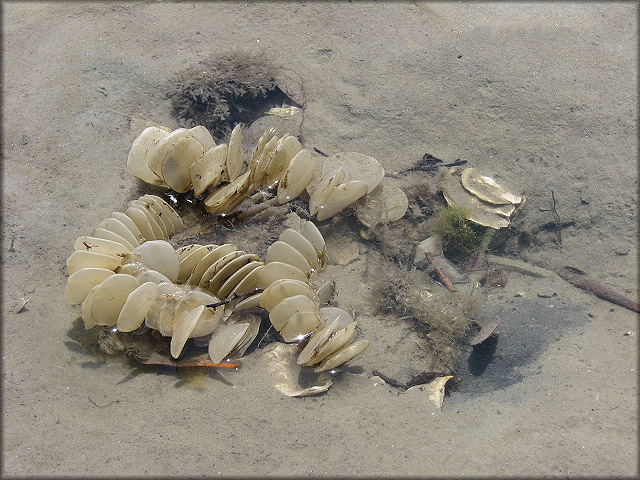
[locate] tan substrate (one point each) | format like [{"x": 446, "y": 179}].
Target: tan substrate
[{"x": 539, "y": 96}]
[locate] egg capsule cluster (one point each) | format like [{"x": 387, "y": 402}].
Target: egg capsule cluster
[
  {"x": 186, "y": 159},
  {"x": 189, "y": 159},
  {"x": 125, "y": 274}
]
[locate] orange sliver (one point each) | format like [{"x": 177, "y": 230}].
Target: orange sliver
[{"x": 204, "y": 362}]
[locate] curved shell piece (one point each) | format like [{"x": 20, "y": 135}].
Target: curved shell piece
[
  {"x": 157, "y": 156},
  {"x": 477, "y": 211},
  {"x": 336, "y": 342},
  {"x": 208, "y": 170},
  {"x": 273, "y": 271},
  {"x": 118, "y": 227},
  {"x": 302, "y": 245},
  {"x": 138, "y": 155},
  {"x": 225, "y": 198},
  {"x": 203, "y": 136},
  {"x": 227, "y": 338},
  {"x": 233, "y": 161},
  {"x": 157, "y": 226},
  {"x": 248, "y": 282},
  {"x": 157, "y": 211},
  {"x": 258, "y": 168},
  {"x": 81, "y": 282},
  {"x": 288, "y": 147},
  {"x": 182, "y": 329},
  {"x": 486, "y": 188},
  {"x": 342, "y": 356},
  {"x": 168, "y": 211},
  {"x": 342, "y": 196},
  {"x": 281, "y": 289},
  {"x": 316, "y": 342},
  {"x": 280, "y": 314},
  {"x": 356, "y": 166},
  {"x": 158, "y": 255},
  {"x": 109, "y": 235},
  {"x": 208, "y": 260},
  {"x": 136, "y": 307},
  {"x": 323, "y": 190},
  {"x": 186, "y": 250},
  {"x": 230, "y": 281},
  {"x": 229, "y": 268},
  {"x": 280, "y": 251},
  {"x": 191, "y": 258},
  {"x": 300, "y": 325},
  {"x": 100, "y": 245},
  {"x": 296, "y": 177},
  {"x": 385, "y": 203},
  {"x": 84, "y": 259},
  {"x": 140, "y": 219},
  {"x": 109, "y": 297},
  {"x": 311, "y": 233},
  {"x": 192, "y": 318},
  {"x": 130, "y": 225}
]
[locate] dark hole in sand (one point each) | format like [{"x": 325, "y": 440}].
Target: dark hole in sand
[{"x": 526, "y": 330}]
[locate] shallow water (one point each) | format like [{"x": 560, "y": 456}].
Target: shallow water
[{"x": 541, "y": 97}]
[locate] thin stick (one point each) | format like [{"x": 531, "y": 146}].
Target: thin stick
[
  {"x": 102, "y": 406},
  {"x": 598, "y": 290},
  {"x": 441, "y": 275}
]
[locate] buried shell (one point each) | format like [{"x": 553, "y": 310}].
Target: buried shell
[{"x": 202, "y": 291}]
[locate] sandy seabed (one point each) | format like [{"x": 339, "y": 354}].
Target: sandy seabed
[{"x": 541, "y": 96}]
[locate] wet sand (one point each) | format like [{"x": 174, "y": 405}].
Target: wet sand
[{"x": 542, "y": 97}]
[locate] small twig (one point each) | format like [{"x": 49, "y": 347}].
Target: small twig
[
  {"x": 441, "y": 275},
  {"x": 420, "y": 379},
  {"x": 103, "y": 406},
  {"x": 13, "y": 240},
  {"x": 320, "y": 152},
  {"x": 597, "y": 289},
  {"x": 558, "y": 223},
  {"x": 234, "y": 298},
  {"x": 391, "y": 381}
]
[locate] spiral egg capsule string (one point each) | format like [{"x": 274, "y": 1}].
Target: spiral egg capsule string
[{"x": 195, "y": 291}]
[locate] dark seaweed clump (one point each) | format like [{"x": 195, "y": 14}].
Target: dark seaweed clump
[{"x": 224, "y": 90}]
